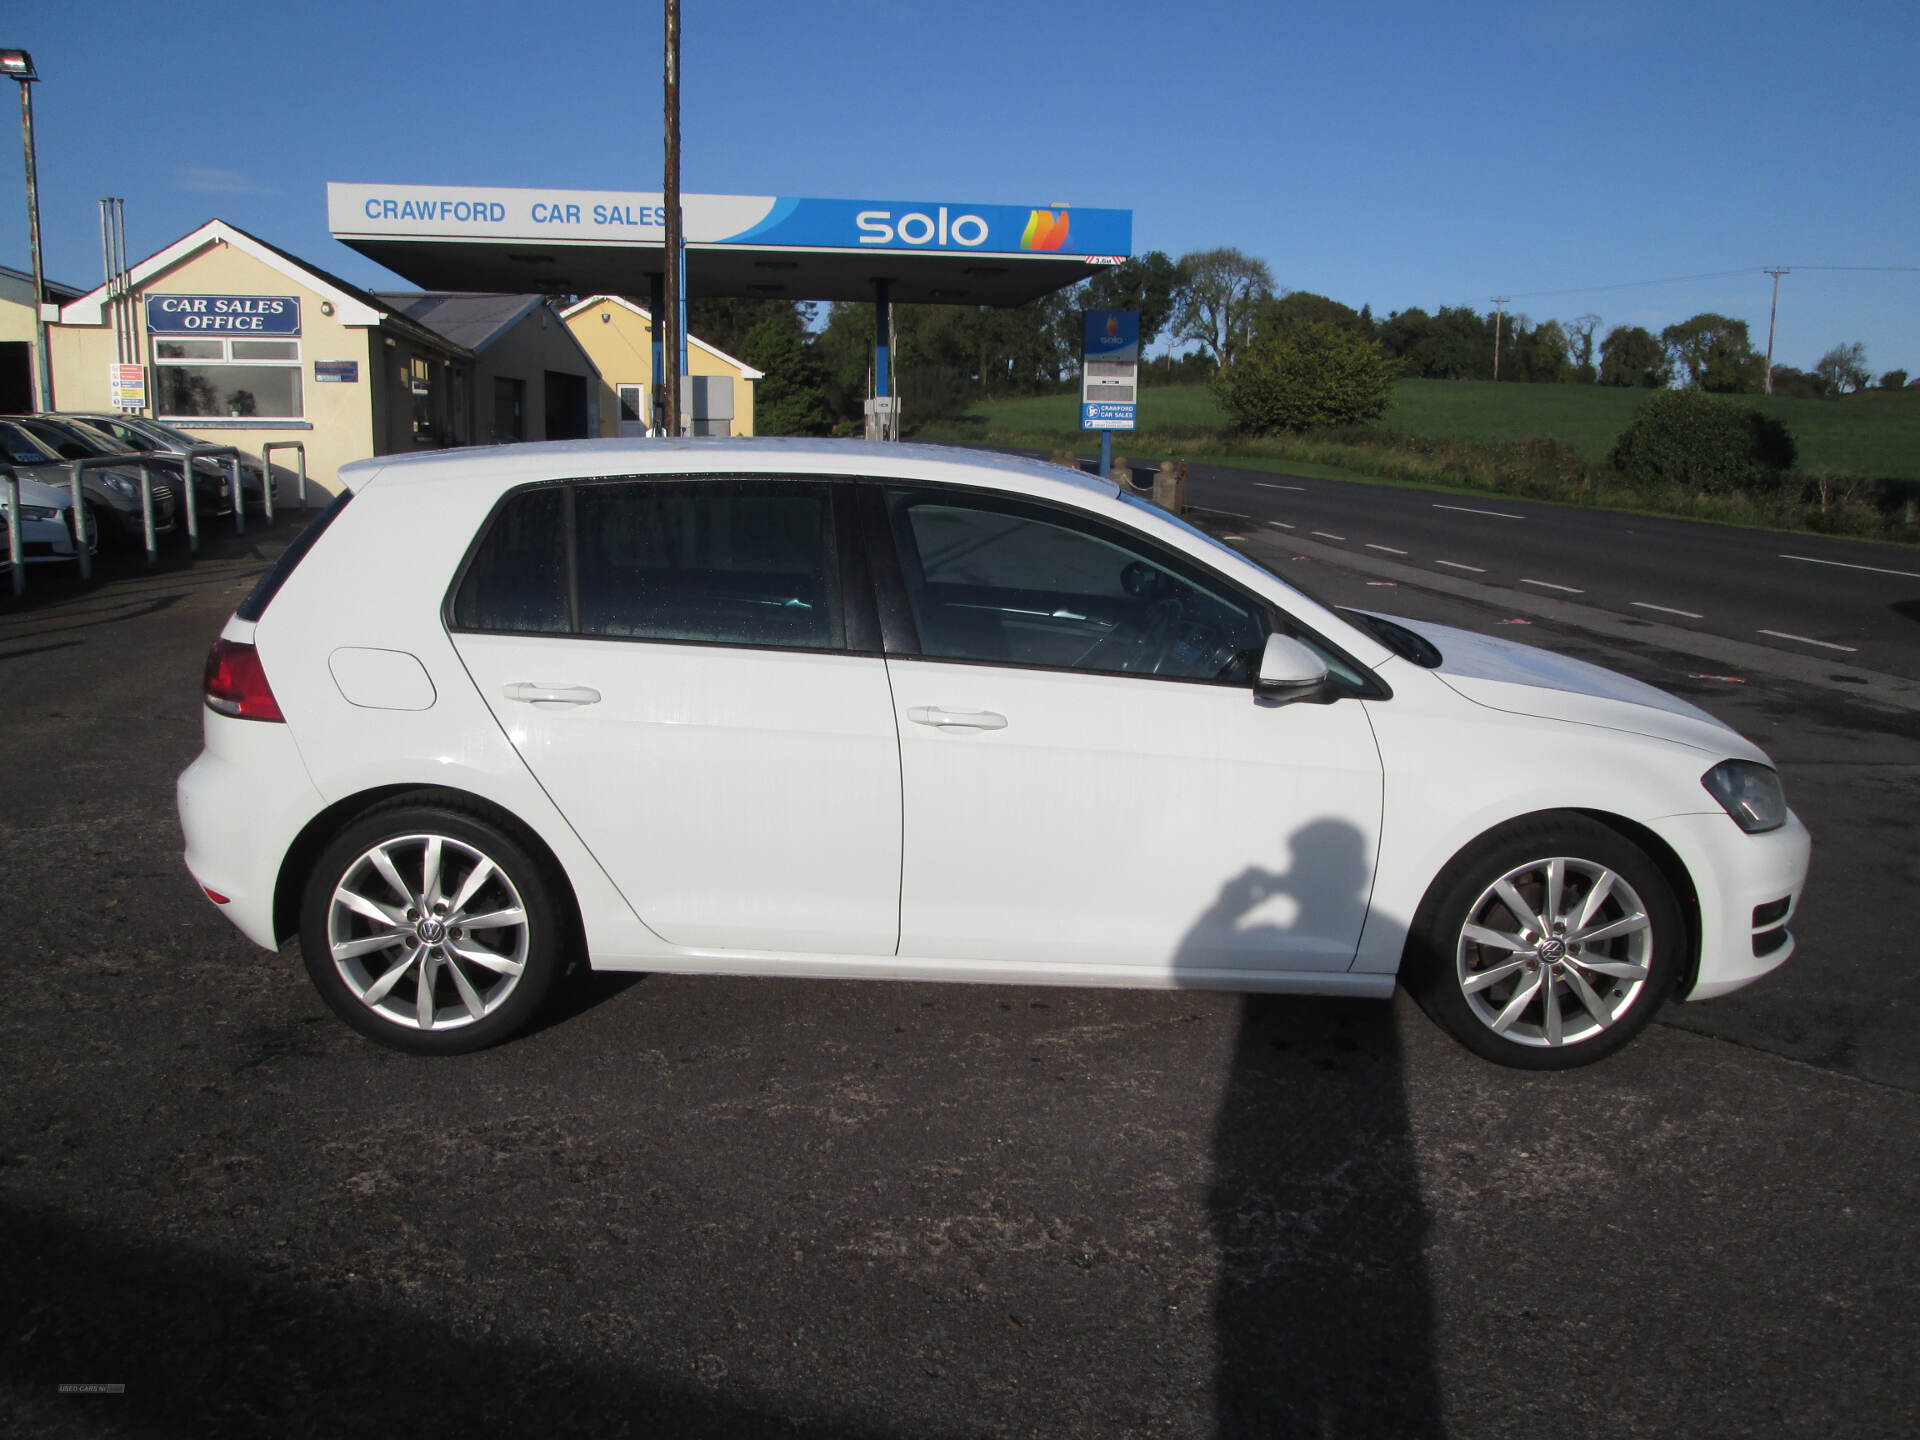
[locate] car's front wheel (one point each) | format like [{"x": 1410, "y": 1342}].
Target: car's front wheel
[
  {"x": 1547, "y": 945},
  {"x": 430, "y": 930}
]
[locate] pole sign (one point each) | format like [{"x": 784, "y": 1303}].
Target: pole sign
[
  {"x": 127, "y": 386},
  {"x": 223, "y": 314},
  {"x": 1110, "y": 370}
]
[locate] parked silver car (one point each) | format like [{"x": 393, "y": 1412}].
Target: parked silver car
[
  {"x": 137, "y": 432},
  {"x": 46, "y": 523},
  {"x": 112, "y": 496}
]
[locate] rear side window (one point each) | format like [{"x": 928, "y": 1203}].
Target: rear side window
[
  {"x": 255, "y": 605},
  {"x": 517, "y": 581},
  {"x": 717, "y": 562}
]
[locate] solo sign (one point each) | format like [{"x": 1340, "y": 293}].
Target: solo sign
[{"x": 223, "y": 315}]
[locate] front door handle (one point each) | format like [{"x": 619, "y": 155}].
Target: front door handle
[
  {"x": 529, "y": 694},
  {"x": 956, "y": 719}
]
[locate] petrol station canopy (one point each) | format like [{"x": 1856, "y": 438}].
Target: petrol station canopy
[{"x": 586, "y": 242}]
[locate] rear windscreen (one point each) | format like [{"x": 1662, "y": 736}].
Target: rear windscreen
[{"x": 255, "y": 605}]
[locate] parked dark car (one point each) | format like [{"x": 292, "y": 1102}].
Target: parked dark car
[
  {"x": 137, "y": 432},
  {"x": 111, "y": 496}
]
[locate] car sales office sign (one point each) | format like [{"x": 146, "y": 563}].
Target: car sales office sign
[
  {"x": 1110, "y": 370},
  {"x": 223, "y": 314}
]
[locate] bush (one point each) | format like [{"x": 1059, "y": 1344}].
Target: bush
[
  {"x": 1306, "y": 376},
  {"x": 1690, "y": 439}
]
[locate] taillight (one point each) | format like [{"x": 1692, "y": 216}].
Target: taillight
[{"x": 237, "y": 685}]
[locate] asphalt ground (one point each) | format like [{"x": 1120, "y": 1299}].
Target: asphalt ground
[{"x": 688, "y": 1206}]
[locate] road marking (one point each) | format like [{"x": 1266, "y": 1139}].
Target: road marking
[
  {"x": 1843, "y": 565},
  {"x": 1269, "y": 485},
  {"x": 1667, "y": 610},
  {"x": 1388, "y": 548},
  {"x": 1549, "y": 585},
  {"x": 1281, "y": 523},
  {"x": 1230, "y": 514},
  {"x": 1469, "y": 510},
  {"x": 1456, "y": 565},
  {"x": 1809, "y": 640},
  {"x": 1233, "y": 537},
  {"x": 1328, "y": 535}
]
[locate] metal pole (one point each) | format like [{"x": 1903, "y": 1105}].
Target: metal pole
[
  {"x": 193, "y": 509},
  {"x": 1106, "y": 454},
  {"x": 656, "y": 307},
  {"x": 1772, "y": 311},
  {"x": 43, "y": 371},
  {"x": 1499, "y": 316},
  {"x": 16, "y": 560},
  {"x": 672, "y": 199},
  {"x": 82, "y": 531},
  {"x": 146, "y": 511}
]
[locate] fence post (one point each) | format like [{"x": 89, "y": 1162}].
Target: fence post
[
  {"x": 16, "y": 560},
  {"x": 82, "y": 531}
]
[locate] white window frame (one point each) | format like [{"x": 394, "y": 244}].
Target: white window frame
[{"x": 226, "y": 358}]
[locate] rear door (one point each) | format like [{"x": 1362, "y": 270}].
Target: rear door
[{"x": 674, "y": 661}]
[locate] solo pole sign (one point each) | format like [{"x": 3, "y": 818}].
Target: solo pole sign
[{"x": 1110, "y": 370}]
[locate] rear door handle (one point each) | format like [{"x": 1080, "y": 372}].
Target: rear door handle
[
  {"x": 956, "y": 719},
  {"x": 530, "y": 694}
]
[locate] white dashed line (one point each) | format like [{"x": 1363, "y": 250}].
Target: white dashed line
[
  {"x": 1388, "y": 548},
  {"x": 1843, "y": 565},
  {"x": 1230, "y": 514},
  {"x": 1328, "y": 535},
  {"x": 1469, "y": 510},
  {"x": 1281, "y": 523},
  {"x": 1809, "y": 640},
  {"x": 1667, "y": 610},
  {"x": 1549, "y": 585},
  {"x": 1233, "y": 537},
  {"x": 1269, "y": 485},
  {"x": 1456, "y": 565}
]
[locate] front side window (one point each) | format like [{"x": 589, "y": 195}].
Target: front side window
[
  {"x": 723, "y": 562},
  {"x": 1013, "y": 583},
  {"x": 420, "y": 388},
  {"x": 228, "y": 379}
]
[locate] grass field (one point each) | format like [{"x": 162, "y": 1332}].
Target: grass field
[{"x": 1875, "y": 435}]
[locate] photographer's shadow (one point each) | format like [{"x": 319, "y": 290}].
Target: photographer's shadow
[{"x": 1322, "y": 1315}]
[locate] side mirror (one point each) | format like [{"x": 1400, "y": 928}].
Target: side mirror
[{"x": 1289, "y": 670}]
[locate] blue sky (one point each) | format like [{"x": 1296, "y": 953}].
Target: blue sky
[{"x": 1393, "y": 154}]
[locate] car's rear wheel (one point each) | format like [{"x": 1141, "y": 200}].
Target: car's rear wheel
[
  {"x": 1547, "y": 945},
  {"x": 430, "y": 931}
]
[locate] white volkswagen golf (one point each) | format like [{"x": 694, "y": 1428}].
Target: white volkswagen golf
[{"x": 898, "y": 712}]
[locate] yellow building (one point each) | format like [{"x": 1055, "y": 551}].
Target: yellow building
[
  {"x": 244, "y": 344},
  {"x": 16, "y": 336},
  {"x": 618, "y": 336}
]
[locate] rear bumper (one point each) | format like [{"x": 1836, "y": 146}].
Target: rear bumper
[
  {"x": 242, "y": 803},
  {"x": 1736, "y": 875}
]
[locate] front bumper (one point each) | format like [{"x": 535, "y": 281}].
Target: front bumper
[{"x": 1740, "y": 880}]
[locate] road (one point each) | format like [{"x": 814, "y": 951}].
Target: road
[
  {"x": 704, "y": 1207},
  {"x": 1821, "y": 598}
]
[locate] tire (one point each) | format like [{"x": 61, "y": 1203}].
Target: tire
[
  {"x": 1552, "y": 990},
  {"x": 95, "y": 532},
  {"x": 486, "y": 981}
]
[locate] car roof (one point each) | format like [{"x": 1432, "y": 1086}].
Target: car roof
[{"x": 518, "y": 464}]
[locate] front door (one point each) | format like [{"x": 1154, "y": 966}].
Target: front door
[
  {"x": 633, "y": 409},
  {"x": 1087, "y": 773},
  {"x": 669, "y": 659}
]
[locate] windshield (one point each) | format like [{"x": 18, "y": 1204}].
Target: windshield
[
  {"x": 72, "y": 443},
  {"x": 23, "y": 449},
  {"x": 167, "y": 430},
  {"x": 1195, "y": 530}
]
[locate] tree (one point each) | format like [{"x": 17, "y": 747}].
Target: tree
[
  {"x": 1792, "y": 384},
  {"x": 791, "y": 398},
  {"x": 1844, "y": 368},
  {"x": 1630, "y": 356},
  {"x": 1304, "y": 376},
  {"x": 1716, "y": 353},
  {"x": 1894, "y": 380},
  {"x": 1540, "y": 354},
  {"x": 1218, "y": 298},
  {"x": 725, "y": 323},
  {"x": 1147, "y": 283},
  {"x": 1299, "y": 305},
  {"x": 1580, "y": 347},
  {"x": 1689, "y": 438}
]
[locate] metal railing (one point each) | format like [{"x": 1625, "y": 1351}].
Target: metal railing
[
  {"x": 82, "y": 522},
  {"x": 232, "y": 457},
  {"x": 16, "y": 543},
  {"x": 266, "y": 466}
]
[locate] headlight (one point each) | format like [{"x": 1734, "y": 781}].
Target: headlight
[
  {"x": 1750, "y": 793},
  {"x": 121, "y": 485},
  {"x": 38, "y": 512}
]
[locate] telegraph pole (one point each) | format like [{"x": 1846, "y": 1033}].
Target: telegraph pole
[
  {"x": 1499, "y": 316},
  {"x": 1772, "y": 311},
  {"x": 670, "y": 348},
  {"x": 19, "y": 65}
]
